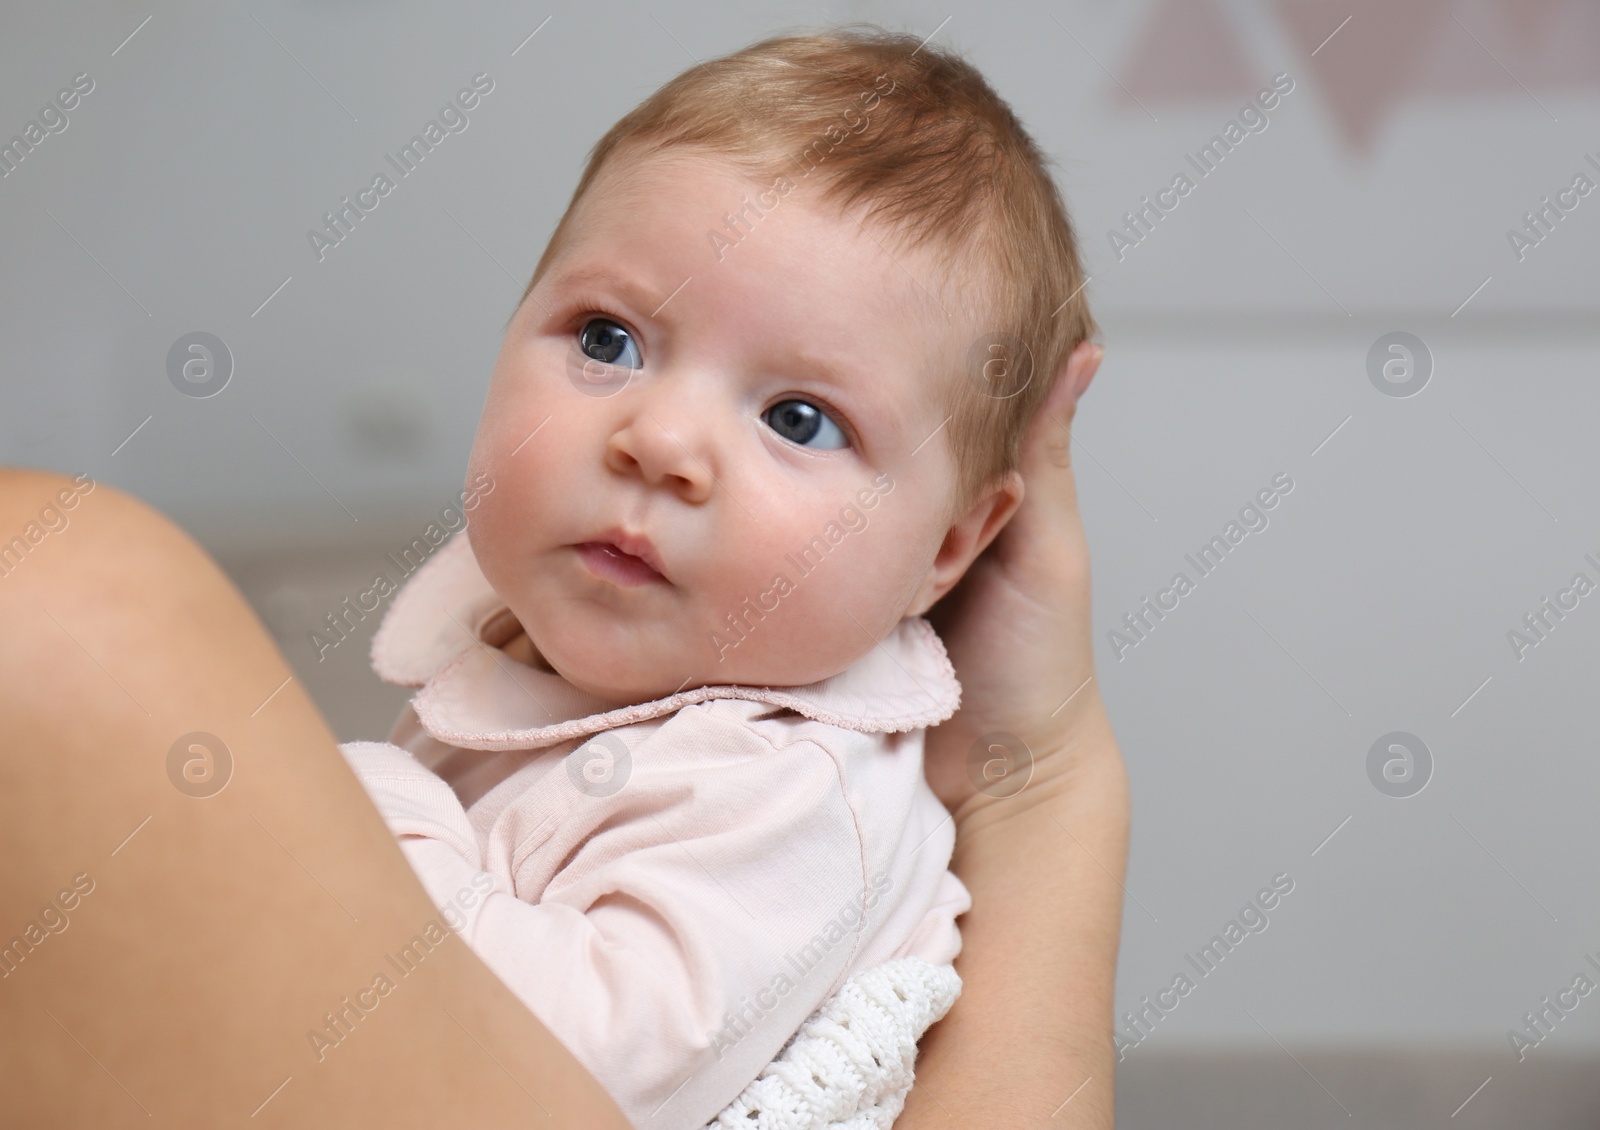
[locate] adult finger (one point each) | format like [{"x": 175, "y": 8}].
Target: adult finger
[{"x": 1048, "y": 516}]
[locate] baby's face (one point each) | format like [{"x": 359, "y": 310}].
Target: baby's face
[{"x": 771, "y": 422}]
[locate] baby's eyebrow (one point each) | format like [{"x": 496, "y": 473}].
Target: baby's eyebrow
[
  {"x": 602, "y": 279},
  {"x": 839, "y": 374},
  {"x": 866, "y": 399}
]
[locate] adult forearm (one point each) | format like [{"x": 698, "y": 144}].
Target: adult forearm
[{"x": 1029, "y": 1041}]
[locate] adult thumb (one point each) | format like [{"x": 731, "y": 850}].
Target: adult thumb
[{"x": 1047, "y": 447}]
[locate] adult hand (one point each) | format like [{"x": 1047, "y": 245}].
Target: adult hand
[
  {"x": 1029, "y": 1041},
  {"x": 1018, "y": 631}
]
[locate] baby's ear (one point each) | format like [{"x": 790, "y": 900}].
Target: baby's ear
[{"x": 967, "y": 537}]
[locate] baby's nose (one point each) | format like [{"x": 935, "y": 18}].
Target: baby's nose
[{"x": 663, "y": 453}]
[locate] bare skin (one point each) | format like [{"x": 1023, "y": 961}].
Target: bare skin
[
  {"x": 1028, "y": 1043},
  {"x": 219, "y": 930},
  {"x": 216, "y": 937}
]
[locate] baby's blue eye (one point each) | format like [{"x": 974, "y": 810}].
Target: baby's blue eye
[
  {"x": 601, "y": 339},
  {"x": 801, "y": 422}
]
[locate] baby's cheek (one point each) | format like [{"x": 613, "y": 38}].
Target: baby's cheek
[
  {"x": 506, "y": 520},
  {"x": 839, "y": 604},
  {"x": 483, "y": 531},
  {"x": 880, "y": 569}
]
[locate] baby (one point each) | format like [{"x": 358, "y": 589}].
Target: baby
[{"x": 759, "y": 408}]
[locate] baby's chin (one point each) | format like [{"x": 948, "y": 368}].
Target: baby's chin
[
  {"x": 643, "y": 678},
  {"x": 621, "y": 675}
]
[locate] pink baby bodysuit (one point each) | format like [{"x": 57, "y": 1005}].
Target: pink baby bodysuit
[{"x": 673, "y": 886}]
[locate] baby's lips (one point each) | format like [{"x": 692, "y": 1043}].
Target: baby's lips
[
  {"x": 609, "y": 561},
  {"x": 631, "y": 545}
]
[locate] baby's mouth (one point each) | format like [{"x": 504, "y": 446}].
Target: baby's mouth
[{"x": 607, "y": 561}]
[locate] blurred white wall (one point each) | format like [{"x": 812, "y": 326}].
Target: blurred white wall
[{"x": 1420, "y": 530}]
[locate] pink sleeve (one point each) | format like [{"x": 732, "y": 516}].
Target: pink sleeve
[{"x": 664, "y": 952}]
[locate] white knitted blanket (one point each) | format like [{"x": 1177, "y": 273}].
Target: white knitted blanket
[{"x": 849, "y": 1067}]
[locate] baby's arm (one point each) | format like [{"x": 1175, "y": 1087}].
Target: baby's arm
[{"x": 657, "y": 917}]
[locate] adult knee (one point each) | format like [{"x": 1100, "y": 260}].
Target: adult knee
[
  {"x": 60, "y": 532},
  {"x": 34, "y": 505},
  {"x": 89, "y": 573}
]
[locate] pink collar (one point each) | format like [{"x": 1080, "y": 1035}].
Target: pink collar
[{"x": 443, "y": 630}]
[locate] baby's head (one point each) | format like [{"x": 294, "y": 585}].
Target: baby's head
[{"x": 777, "y": 338}]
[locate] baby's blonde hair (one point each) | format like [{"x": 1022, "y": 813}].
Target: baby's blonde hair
[{"x": 940, "y": 159}]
